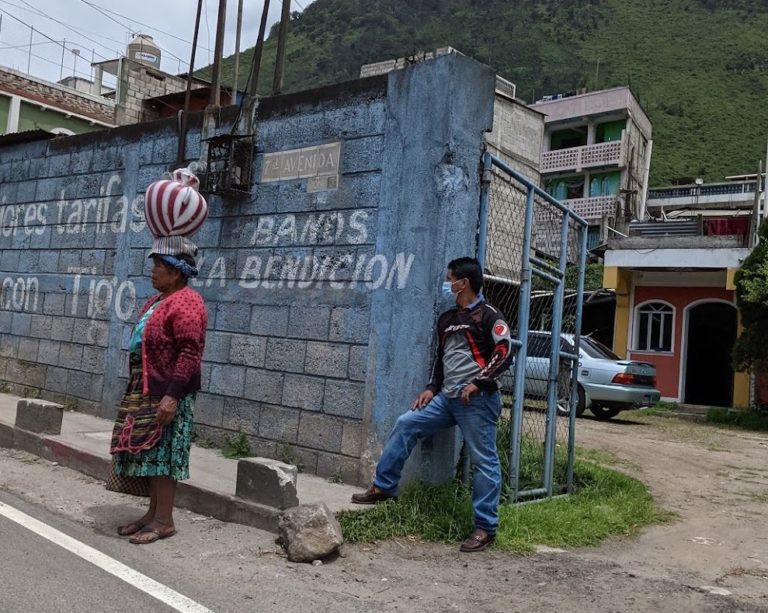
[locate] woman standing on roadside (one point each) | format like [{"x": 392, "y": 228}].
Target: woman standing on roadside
[{"x": 152, "y": 436}]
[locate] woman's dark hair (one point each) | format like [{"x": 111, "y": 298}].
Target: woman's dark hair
[{"x": 468, "y": 268}]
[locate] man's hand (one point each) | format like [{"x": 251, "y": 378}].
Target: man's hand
[
  {"x": 423, "y": 400},
  {"x": 166, "y": 410},
  {"x": 468, "y": 391}
]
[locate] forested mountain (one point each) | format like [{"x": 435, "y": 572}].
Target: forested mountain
[{"x": 700, "y": 67}]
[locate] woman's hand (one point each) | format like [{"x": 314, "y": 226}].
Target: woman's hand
[{"x": 166, "y": 410}]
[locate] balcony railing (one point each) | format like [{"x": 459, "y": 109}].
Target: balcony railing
[
  {"x": 593, "y": 208},
  {"x": 578, "y": 158},
  {"x": 709, "y": 189},
  {"x": 723, "y": 231}
]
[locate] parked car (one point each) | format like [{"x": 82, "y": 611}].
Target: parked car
[{"x": 607, "y": 384}]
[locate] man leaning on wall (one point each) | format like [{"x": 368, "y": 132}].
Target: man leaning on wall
[{"x": 474, "y": 347}]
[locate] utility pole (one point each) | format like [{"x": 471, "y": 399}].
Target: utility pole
[
  {"x": 597, "y": 76},
  {"x": 188, "y": 95},
  {"x": 63, "y": 49},
  {"x": 76, "y": 53},
  {"x": 258, "y": 51},
  {"x": 29, "y": 57},
  {"x": 237, "y": 50},
  {"x": 277, "y": 85},
  {"x": 765, "y": 186},
  {"x": 218, "y": 52}
]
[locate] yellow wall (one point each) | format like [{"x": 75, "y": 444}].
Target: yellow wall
[
  {"x": 740, "y": 379},
  {"x": 620, "y": 280}
]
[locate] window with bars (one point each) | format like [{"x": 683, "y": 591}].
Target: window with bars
[{"x": 654, "y": 327}]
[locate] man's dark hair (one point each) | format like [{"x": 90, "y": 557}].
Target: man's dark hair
[{"x": 468, "y": 268}]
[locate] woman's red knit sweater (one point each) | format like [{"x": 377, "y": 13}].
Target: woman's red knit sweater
[{"x": 172, "y": 344}]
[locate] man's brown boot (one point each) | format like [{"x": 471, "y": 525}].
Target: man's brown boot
[{"x": 372, "y": 495}]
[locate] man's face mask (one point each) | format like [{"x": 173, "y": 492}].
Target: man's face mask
[{"x": 448, "y": 289}]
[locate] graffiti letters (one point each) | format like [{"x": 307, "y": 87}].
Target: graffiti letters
[
  {"x": 19, "y": 294},
  {"x": 314, "y": 229},
  {"x": 106, "y": 213},
  {"x": 103, "y": 295}
]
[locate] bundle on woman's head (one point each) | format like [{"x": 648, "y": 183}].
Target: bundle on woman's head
[{"x": 174, "y": 211}]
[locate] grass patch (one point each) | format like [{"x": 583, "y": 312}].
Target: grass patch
[
  {"x": 750, "y": 419},
  {"x": 605, "y": 503},
  {"x": 758, "y": 496},
  {"x": 237, "y": 447}
]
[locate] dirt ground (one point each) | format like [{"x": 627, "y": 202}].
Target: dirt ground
[{"x": 715, "y": 480}]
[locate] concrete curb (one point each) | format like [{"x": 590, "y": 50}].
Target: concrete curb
[{"x": 192, "y": 497}]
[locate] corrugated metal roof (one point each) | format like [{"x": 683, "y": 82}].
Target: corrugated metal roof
[{"x": 29, "y": 136}]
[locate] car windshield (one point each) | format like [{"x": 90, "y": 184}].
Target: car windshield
[{"x": 595, "y": 349}]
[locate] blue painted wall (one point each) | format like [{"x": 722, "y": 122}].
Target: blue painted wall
[{"x": 322, "y": 305}]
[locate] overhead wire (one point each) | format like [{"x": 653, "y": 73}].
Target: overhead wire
[
  {"x": 146, "y": 25},
  {"x": 24, "y": 23},
  {"x": 50, "y": 61},
  {"x": 77, "y": 30},
  {"x": 26, "y": 45},
  {"x": 126, "y": 26}
]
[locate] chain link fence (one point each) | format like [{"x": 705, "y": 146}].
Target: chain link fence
[{"x": 533, "y": 251}]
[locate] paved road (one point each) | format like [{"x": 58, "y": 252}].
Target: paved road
[
  {"x": 41, "y": 576},
  {"x": 235, "y": 569}
]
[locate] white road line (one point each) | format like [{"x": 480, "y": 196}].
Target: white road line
[{"x": 161, "y": 592}]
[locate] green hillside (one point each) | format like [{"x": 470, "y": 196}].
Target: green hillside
[{"x": 700, "y": 67}]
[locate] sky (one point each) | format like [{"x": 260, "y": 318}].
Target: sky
[{"x": 64, "y": 26}]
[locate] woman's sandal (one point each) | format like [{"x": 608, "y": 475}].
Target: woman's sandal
[
  {"x": 156, "y": 535},
  {"x": 131, "y": 528}
]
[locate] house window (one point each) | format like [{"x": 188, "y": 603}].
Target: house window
[
  {"x": 567, "y": 188},
  {"x": 654, "y": 327},
  {"x": 610, "y": 132},
  {"x": 604, "y": 184}
]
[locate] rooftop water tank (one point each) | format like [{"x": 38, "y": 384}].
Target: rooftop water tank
[{"x": 143, "y": 49}]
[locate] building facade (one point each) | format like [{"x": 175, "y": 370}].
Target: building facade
[
  {"x": 675, "y": 292},
  {"x": 29, "y": 103},
  {"x": 596, "y": 156},
  {"x": 137, "y": 91}
]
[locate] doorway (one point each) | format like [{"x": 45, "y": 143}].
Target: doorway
[{"x": 709, "y": 373}]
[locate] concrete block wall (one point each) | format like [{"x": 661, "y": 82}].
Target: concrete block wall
[
  {"x": 321, "y": 305},
  {"x": 139, "y": 83}
]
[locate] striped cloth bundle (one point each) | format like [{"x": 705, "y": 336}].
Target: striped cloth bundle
[{"x": 173, "y": 207}]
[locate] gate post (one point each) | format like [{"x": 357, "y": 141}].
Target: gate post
[
  {"x": 583, "y": 238},
  {"x": 523, "y": 318},
  {"x": 485, "y": 194},
  {"x": 554, "y": 359}
]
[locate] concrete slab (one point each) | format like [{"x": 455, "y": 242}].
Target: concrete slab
[
  {"x": 84, "y": 443},
  {"x": 8, "y": 408},
  {"x": 39, "y": 416},
  {"x": 75, "y": 422}
]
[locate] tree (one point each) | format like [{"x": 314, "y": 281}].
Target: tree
[{"x": 751, "y": 348}]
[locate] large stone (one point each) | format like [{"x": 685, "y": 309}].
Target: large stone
[
  {"x": 39, "y": 416},
  {"x": 268, "y": 482},
  {"x": 309, "y": 532}
]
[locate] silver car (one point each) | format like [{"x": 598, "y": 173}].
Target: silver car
[{"x": 607, "y": 384}]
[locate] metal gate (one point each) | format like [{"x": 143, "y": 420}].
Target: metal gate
[{"x": 533, "y": 251}]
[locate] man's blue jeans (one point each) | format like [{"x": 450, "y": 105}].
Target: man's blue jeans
[{"x": 478, "y": 425}]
